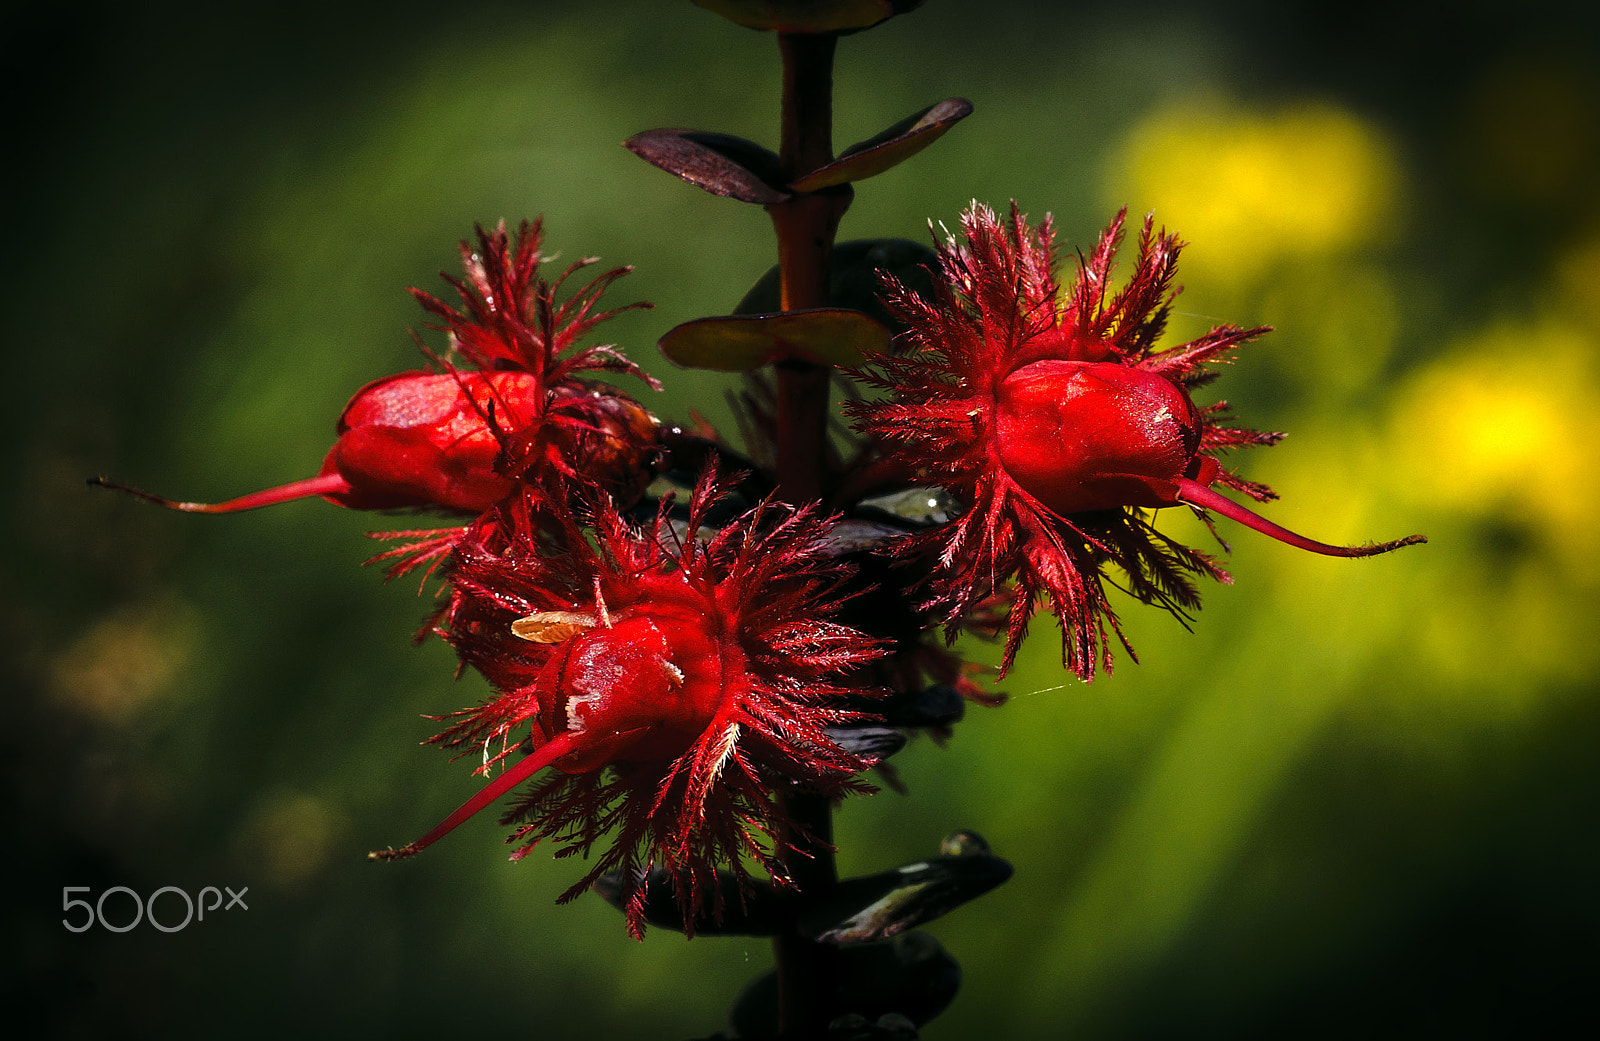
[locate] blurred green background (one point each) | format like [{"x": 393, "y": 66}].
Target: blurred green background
[{"x": 1359, "y": 799}]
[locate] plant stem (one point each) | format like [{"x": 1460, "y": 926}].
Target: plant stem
[
  {"x": 808, "y": 972},
  {"x": 805, "y": 225}
]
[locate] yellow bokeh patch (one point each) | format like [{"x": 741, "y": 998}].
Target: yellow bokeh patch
[
  {"x": 126, "y": 662},
  {"x": 1508, "y": 424},
  {"x": 1253, "y": 188}
]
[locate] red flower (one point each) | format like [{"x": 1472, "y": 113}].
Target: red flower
[
  {"x": 1054, "y": 421},
  {"x": 673, "y": 680},
  {"x": 460, "y": 440},
  {"x": 420, "y": 439},
  {"x": 511, "y": 321}
]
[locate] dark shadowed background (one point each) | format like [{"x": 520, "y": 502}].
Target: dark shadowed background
[{"x": 1359, "y": 799}]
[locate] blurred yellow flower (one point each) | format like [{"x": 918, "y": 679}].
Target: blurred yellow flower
[
  {"x": 1507, "y": 425},
  {"x": 1496, "y": 440},
  {"x": 1252, "y": 189}
]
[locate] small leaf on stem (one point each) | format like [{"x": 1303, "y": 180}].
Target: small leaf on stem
[
  {"x": 879, "y": 906},
  {"x": 940, "y": 705},
  {"x": 888, "y": 149},
  {"x": 808, "y": 16},
  {"x": 855, "y": 275},
  {"x": 869, "y": 742},
  {"x": 738, "y": 343},
  {"x": 757, "y": 909},
  {"x": 722, "y": 164}
]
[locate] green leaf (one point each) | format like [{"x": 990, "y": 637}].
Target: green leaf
[
  {"x": 722, "y": 164},
  {"x": 808, "y": 16},
  {"x": 890, "y": 148},
  {"x": 738, "y": 343}
]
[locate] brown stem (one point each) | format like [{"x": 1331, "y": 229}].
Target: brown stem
[
  {"x": 805, "y": 225},
  {"x": 808, "y": 972},
  {"x": 807, "y": 134}
]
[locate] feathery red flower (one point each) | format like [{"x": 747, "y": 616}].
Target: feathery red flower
[
  {"x": 1056, "y": 422},
  {"x": 670, "y": 680},
  {"x": 459, "y": 440},
  {"x": 510, "y": 320}
]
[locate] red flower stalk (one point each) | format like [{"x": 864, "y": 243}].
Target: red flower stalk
[
  {"x": 671, "y": 683},
  {"x": 1054, "y": 421},
  {"x": 460, "y": 440}
]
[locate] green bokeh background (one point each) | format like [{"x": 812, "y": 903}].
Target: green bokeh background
[{"x": 1359, "y": 799}]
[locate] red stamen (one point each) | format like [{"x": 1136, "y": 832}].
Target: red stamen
[
  {"x": 552, "y": 750},
  {"x": 322, "y": 484},
  {"x": 1196, "y": 494}
]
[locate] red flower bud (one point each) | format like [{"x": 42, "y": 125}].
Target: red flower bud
[
  {"x": 418, "y": 439},
  {"x": 1054, "y": 422},
  {"x": 645, "y": 687},
  {"x": 670, "y": 683},
  {"x": 1081, "y": 436},
  {"x": 460, "y": 440}
]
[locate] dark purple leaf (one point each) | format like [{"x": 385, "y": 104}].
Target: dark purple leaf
[
  {"x": 889, "y": 148},
  {"x": 755, "y": 909},
  {"x": 876, "y": 907},
  {"x": 722, "y": 164},
  {"x": 808, "y": 16},
  {"x": 739, "y": 343}
]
